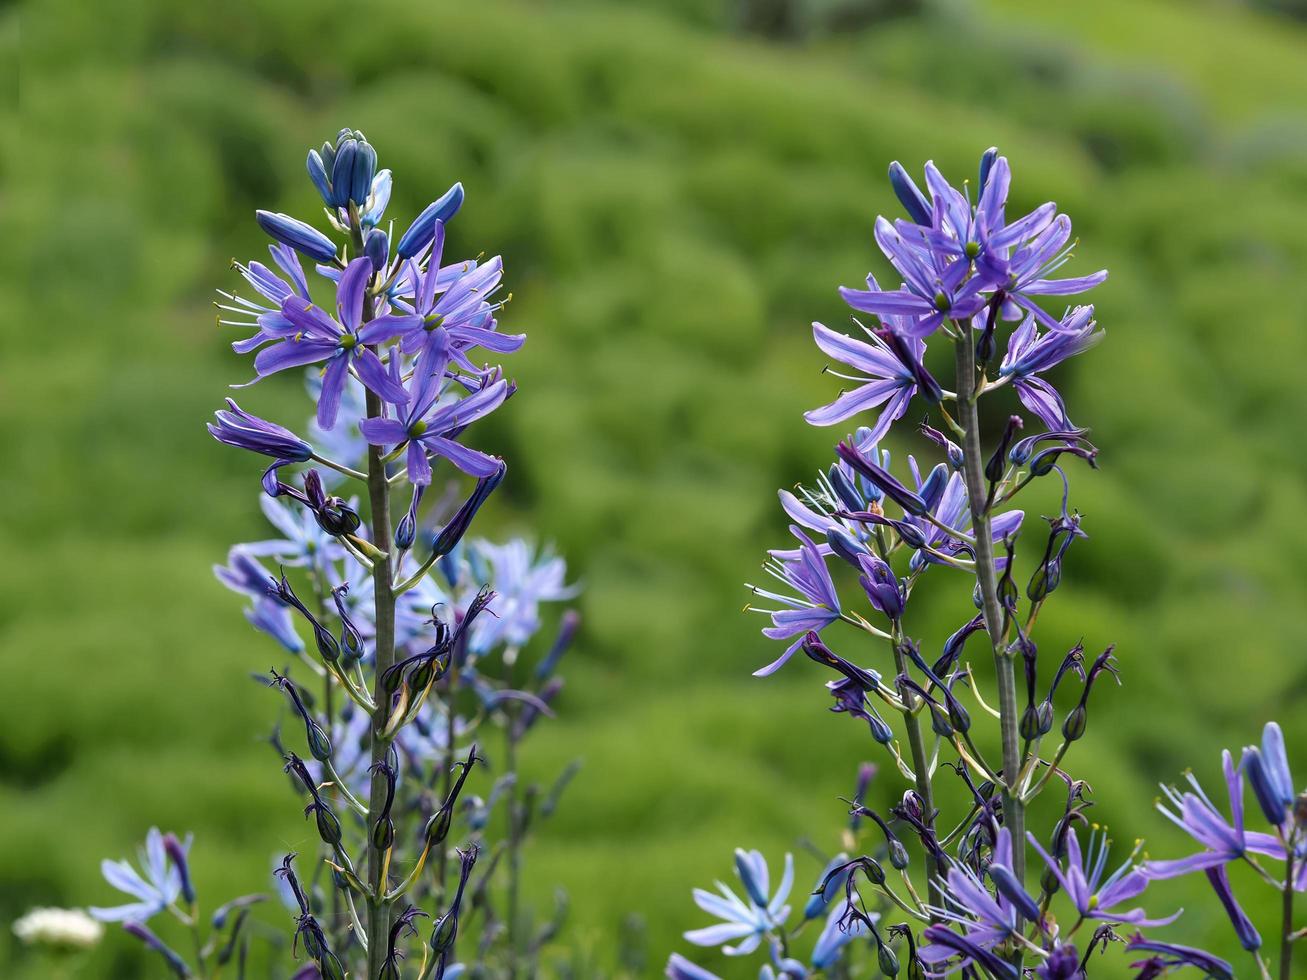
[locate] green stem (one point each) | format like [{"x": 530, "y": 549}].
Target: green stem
[
  {"x": 514, "y": 827},
  {"x": 1286, "y": 925},
  {"x": 383, "y": 659},
  {"x": 1014, "y": 816},
  {"x": 921, "y": 772}
]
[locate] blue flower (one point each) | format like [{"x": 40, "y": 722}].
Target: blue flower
[
  {"x": 342, "y": 343},
  {"x": 1093, "y": 896},
  {"x": 522, "y": 578},
  {"x": 1029, "y": 353},
  {"x": 154, "y": 891},
  {"x": 815, "y": 607},
  {"x": 889, "y": 382},
  {"x": 430, "y": 420},
  {"x": 746, "y": 921},
  {"x": 1223, "y": 840}
]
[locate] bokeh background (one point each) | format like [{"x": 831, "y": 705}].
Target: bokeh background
[{"x": 677, "y": 187}]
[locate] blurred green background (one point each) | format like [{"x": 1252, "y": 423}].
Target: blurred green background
[{"x": 677, "y": 189}]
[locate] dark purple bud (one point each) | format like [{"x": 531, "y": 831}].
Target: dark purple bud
[
  {"x": 351, "y": 641},
  {"x": 423, "y": 229},
  {"x": 1169, "y": 955},
  {"x": 998, "y": 461},
  {"x": 1029, "y": 726},
  {"x": 407, "y": 529},
  {"x": 174, "y": 961},
  {"x": 1248, "y": 935},
  {"x": 1043, "y": 462},
  {"x": 452, "y": 533},
  {"x": 377, "y": 248},
  {"x": 318, "y": 741},
  {"x": 303, "y": 238},
  {"x": 951, "y": 449},
  {"x": 909, "y": 195},
  {"x": 954, "y": 644},
  {"x": 985, "y": 343},
  {"x": 1007, "y": 885},
  {"x": 177, "y": 855},
  {"x": 383, "y": 828},
  {"x": 1025, "y": 448},
  {"x": 868, "y": 681},
  {"x": 280, "y": 589},
  {"x": 244, "y": 431},
  {"x": 882, "y": 479}
]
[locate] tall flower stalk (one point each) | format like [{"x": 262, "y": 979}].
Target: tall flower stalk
[{"x": 390, "y": 701}]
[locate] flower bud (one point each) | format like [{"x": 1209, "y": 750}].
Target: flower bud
[
  {"x": 909, "y": 195},
  {"x": 1029, "y": 727},
  {"x": 437, "y": 828},
  {"x": 888, "y": 962},
  {"x": 176, "y": 852},
  {"x": 749, "y": 865},
  {"x": 377, "y": 248},
  {"x": 892, "y": 488},
  {"x": 898, "y": 854},
  {"x": 317, "y": 169},
  {"x": 1073, "y": 727},
  {"x": 303, "y": 238},
  {"x": 423, "y": 229}
]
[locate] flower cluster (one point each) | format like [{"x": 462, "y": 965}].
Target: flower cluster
[
  {"x": 411, "y": 659},
  {"x": 974, "y": 281}
]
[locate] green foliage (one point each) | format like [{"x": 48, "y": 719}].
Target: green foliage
[{"x": 676, "y": 201}]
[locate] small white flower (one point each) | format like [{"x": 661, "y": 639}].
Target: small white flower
[{"x": 63, "y": 928}]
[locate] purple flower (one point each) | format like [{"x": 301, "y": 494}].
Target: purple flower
[
  {"x": 341, "y": 343},
  {"x": 815, "y": 607},
  {"x": 429, "y": 422},
  {"x": 450, "y": 308},
  {"x": 1029, "y": 354},
  {"x": 1224, "y": 840},
  {"x": 1093, "y": 896},
  {"x": 267, "y": 322},
  {"x": 935, "y": 287},
  {"x": 245, "y": 431},
  {"x": 888, "y": 382},
  {"x": 1025, "y": 273}
]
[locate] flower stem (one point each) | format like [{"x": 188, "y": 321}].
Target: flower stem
[
  {"x": 383, "y": 659},
  {"x": 921, "y": 771},
  {"x": 1286, "y": 925},
  {"x": 1014, "y": 816}
]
